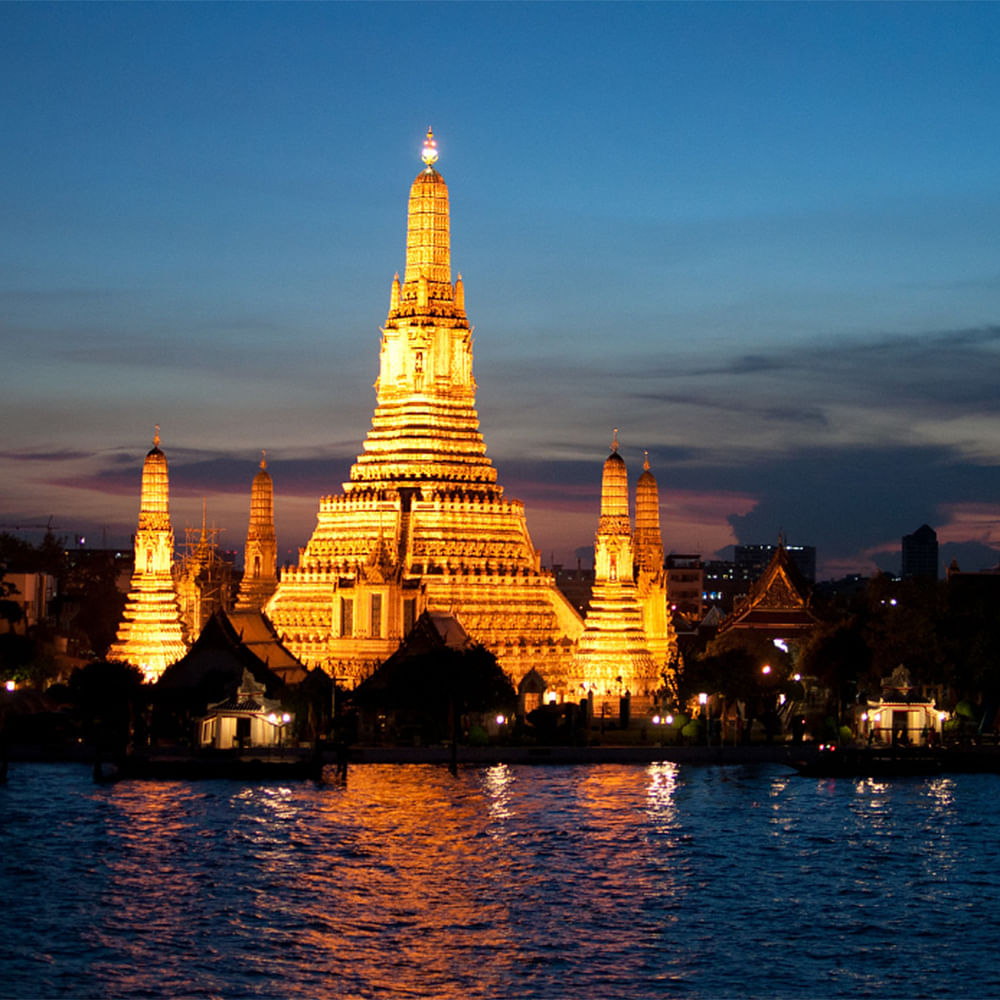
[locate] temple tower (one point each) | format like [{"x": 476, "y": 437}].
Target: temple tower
[
  {"x": 203, "y": 579},
  {"x": 613, "y": 656},
  {"x": 149, "y": 635},
  {"x": 651, "y": 575},
  {"x": 260, "y": 576},
  {"x": 423, "y": 523}
]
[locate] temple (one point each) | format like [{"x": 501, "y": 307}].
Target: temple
[
  {"x": 615, "y": 655},
  {"x": 778, "y": 603},
  {"x": 149, "y": 635},
  {"x": 203, "y": 579},
  {"x": 260, "y": 576},
  {"x": 423, "y": 524}
]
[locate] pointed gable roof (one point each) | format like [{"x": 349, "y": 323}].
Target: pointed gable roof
[
  {"x": 778, "y": 602},
  {"x": 231, "y": 643}
]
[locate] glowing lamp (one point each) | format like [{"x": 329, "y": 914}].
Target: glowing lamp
[
  {"x": 670, "y": 720},
  {"x": 286, "y": 718},
  {"x": 702, "y": 698},
  {"x": 429, "y": 153},
  {"x": 10, "y": 685},
  {"x": 501, "y": 719},
  {"x": 656, "y": 720},
  {"x": 766, "y": 669}
]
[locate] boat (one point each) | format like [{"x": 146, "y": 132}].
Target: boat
[
  {"x": 832, "y": 761},
  {"x": 237, "y": 768}
]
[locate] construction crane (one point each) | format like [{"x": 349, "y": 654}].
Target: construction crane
[{"x": 48, "y": 526}]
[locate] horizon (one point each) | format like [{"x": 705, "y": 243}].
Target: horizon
[{"x": 759, "y": 240}]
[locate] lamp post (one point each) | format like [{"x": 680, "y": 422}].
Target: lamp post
[{"x": 703, "y": 701}]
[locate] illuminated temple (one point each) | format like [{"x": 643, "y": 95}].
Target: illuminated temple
[
  {"x": 261, "y": 552},
  {"x": 422, "y": 523},
  {"x": 149, "y": 635},
  {"x": 626, "y": 643}
]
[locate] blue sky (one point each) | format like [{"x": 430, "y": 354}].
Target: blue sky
[{"x": 760, "y": 239}]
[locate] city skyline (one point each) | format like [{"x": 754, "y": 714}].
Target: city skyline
[{"x": 759, "y": 240}]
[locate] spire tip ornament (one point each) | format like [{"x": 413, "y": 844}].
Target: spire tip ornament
[
  {"x": 614, "y": 441},
  {"x": 429, "y": 153},
  {"x": 156, "y": 437}
]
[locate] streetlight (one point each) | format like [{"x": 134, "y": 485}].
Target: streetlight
[{"x": 703, "y": 701}]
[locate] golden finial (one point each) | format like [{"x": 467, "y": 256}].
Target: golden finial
[
  {"x": 614, "y": 441},
  {"x": 156, "y": 437},
  {"x": 263, "y": 458},
  {"x": 429, "y": 153},
  {"x": 645, "y": 460}
]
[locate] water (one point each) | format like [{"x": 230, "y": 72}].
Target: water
[{"x": 609, "y": 881}]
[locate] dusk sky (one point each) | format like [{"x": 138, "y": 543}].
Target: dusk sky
[{"x": 761, "y": 240}]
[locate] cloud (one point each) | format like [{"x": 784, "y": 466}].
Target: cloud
[{"x": 59, "y": 455}]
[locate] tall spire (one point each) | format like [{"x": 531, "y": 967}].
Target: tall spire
[
  {"x": 261, "y": 552},
  {"x": 428, "y": 241},
  {"x": 425, "y": 432},
  {"x": 422, "y": 523},
  {"x": 614, "y": 488},
  {"x": 647, "y": 540},
  {"x": 613, "y": 654},
  {"x": 149, "y": 635}
]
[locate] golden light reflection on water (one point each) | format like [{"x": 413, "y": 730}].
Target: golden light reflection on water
[
  {"x": 508, "y": 881},
  {"x": 660, "y": 792}
]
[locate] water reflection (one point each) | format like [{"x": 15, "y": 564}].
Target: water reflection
[{"x": 506, "y": 881}]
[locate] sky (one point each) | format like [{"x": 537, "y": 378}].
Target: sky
[{"x": 759, "y": 239}]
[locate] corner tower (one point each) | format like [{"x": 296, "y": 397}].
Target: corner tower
[
  {"x": 149, "y": 635},
  {"x": 422, "y": 522},
  {"x": 651, "y": 576},
  {"x": 613, "y": 656},
  {"x": 261, "y": 551}
]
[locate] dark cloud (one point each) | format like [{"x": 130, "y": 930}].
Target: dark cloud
[
  {"x": 847, "y": 500},
  {"x": 59, "y": 455}
]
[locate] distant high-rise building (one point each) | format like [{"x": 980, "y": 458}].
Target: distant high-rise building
[
  {"x": 720, "y": 586},
  {"x": 920, "y": 553},
  {"x": 752, "y": 560},
  {"x": 686, "y": 584}
]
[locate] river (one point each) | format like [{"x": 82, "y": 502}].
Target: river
[{"x": 514, "y": 882}]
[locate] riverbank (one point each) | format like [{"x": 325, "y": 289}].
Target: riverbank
[
  {"x": 302, "y": 763},
  {"x": 181, "y": 764},
  {"x": 776, "y": 753}
]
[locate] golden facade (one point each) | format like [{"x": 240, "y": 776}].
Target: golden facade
[
  {"x": 203, "y": 579},
  {"x": 615, "y": 653},
  {"x": 651, "y": 577},
  {"x": 423, "y": 522},
  {"x": 260, "y": 562},
  {"x": 149, "y": 635}
]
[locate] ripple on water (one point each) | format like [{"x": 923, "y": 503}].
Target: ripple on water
[{"x": 515, "y": 882}]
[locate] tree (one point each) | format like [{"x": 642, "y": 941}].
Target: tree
[
  {"x": 733, "y": 666},
  {"x": 839, "y": 659},
  {"x": 109, "y": 699}
]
